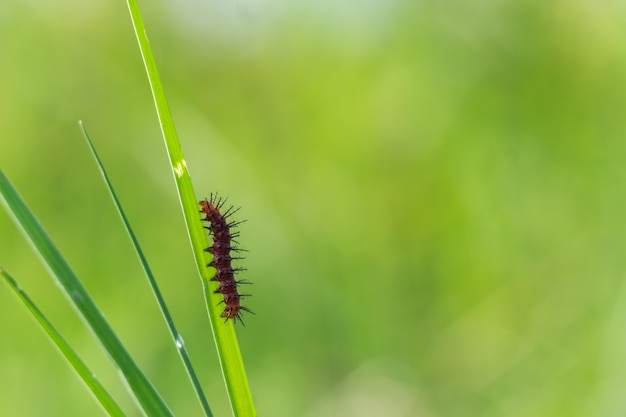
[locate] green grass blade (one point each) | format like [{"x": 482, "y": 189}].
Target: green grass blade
[
  {"x": 145, "y": 394},
  {"x": 106, "y": 401},
  {"x": 223, "y": 333},
  {"x": 178, "y": 340}
]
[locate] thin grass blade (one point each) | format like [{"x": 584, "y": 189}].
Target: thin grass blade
[
  {"x": 223, "y": 333},
  {"x": 107, "y": 403},
  {"x": 177, "y": 338},
  {"x": 145, "y": 394}
]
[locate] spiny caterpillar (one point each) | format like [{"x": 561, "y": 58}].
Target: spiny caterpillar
[{"x": 220, "y": 229}]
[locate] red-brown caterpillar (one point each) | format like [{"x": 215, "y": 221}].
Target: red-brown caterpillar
[{"x": 220, "y": 229}]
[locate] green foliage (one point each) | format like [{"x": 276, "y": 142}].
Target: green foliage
[
  {"x": 90, "y": 379},
  {"x": 223, "y": 333},
  {"x": 80, "y": 299},
  {"x": 433, "y": 195},
  {"x": 176, "y": 337}
]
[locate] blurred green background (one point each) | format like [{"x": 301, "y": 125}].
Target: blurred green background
[{"x": 435, "y": 196}]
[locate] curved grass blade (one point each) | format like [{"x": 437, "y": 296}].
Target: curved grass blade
[
  {"x": 145, "y": 394},
  {"x": 223, "y": 333},
  {"x": 107, "y": 403},
  {"x": 178, "y": 340}
]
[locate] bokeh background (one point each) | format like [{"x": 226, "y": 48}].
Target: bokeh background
[{"x": 435, "y": 195}]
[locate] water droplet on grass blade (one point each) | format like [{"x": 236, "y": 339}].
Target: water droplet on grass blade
[{"x": 179, "y": 342}]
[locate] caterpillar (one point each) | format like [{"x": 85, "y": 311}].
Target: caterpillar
[{"x": 223, "y": 238}]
